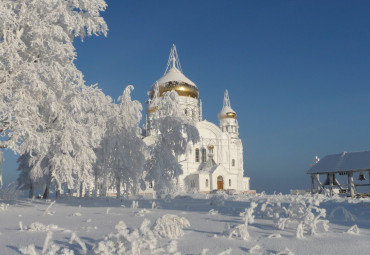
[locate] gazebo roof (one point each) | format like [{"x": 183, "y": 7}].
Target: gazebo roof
[{"x": 342, "y": 162}]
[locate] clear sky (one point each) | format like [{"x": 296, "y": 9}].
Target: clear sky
[{"x": 298, "y": 73}]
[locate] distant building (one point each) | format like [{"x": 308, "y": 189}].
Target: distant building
[
  {"x": 355, "y": 166},
  {"x": 216, "y": 161}
]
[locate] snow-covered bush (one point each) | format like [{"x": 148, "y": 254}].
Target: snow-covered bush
[
  {"x": 49, "y": 248},
  {"x": 170, "y": 226},
  {"x": 217, "y": 199},
  {"x": 132, "y": 241},
  {"x": 241, "y": 231},
  {"x": 307, "y": 216}
]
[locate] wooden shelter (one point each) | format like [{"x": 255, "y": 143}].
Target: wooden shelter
[{"x": 355, "y": 165}]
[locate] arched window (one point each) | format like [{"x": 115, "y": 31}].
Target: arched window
[
  {"x": 206, "y": 182},
  {"x": 197, "y": 155},
  {"x": 186, "y": 112},
  {"x": 204, "y": 155},
  {"x": 229, "y": 182},
  {"x": 233, "y": 162}
]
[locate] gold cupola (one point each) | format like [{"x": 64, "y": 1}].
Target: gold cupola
[
  {"x": 174, "y": 79},
  {"x": 227, "y": 112}
]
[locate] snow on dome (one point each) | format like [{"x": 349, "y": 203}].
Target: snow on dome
[
  {"x": 227, "y": 111},
  {"x": 174, "y": 74}
]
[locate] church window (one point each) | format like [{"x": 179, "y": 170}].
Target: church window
[
  {"x": 229, "y": 182},
  {"x": 204, "y": 155},
  {"x": 206, "y": 182},
  {"x": 196, "y": 155},
  {"x": 233, "y": 162},
  {"x": 150, "y": 185},
  {"x": 186, "y": 112}
]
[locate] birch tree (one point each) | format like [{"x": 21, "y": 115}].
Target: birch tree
[{"x": 45, "y": 107}]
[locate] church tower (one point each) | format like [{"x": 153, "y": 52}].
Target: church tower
[
  {"x": 174, "y": 79},
  {"x": 227, "y": 117}
]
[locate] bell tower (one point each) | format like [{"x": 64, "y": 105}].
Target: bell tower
[{"x": 227, "y": 117}]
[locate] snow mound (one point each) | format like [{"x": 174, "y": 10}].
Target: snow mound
[
  {"x": 77, "y": 214},
  {"x": 170, "y": 226},
  {"x": 213, "y": 212},
  {"x": 142, "y": 212},
  {"x": 37, "y": 226}
]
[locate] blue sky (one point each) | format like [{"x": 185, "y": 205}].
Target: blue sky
[{"x": 297, "y": 73}]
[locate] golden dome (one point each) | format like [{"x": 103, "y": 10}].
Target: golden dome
[
  {"x": 227, "y": 113},
  {"x": 182, "y": 89}
]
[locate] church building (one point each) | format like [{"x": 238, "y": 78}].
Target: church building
[{"x": 216, "y": 161}]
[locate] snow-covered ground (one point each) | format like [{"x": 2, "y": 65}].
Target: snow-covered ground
[{"x": 206, "y": 224}]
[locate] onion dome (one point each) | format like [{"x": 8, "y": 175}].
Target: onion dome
[
  {"x": 174, "y": 79},
  {"x": 227, "y": 112}
]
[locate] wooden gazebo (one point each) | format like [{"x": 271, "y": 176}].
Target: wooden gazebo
[{"x": 355, "y": 165}]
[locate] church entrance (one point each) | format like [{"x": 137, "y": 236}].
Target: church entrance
[{"x": 220, "y": 182}]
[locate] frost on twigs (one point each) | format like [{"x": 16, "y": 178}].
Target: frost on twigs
[
  {"x": 47, "y": 210},
  {"x": 307, "y": 217},
  {"x": 49, "y": 248},
  {"x": 170, "y": 226},
  {"x": 353, "y": 230},
  {"x": 132, "y": 241},
  {"x": 37, "y": 226},
  {"x": 75, "y": 238},
  {"x": 241, "y": 231}
]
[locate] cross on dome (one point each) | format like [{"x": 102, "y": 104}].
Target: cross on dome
[
  {"x": 226, "y": 99},
  {"x": 173, "y": 60}
]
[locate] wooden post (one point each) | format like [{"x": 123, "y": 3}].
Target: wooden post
[
  {"x": 331, "y": 177},
  {"x": 351, "y": 184},
  {"x": 313, "y": 183}
]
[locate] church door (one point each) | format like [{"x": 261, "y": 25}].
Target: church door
[{"x": 220, "y": 182}]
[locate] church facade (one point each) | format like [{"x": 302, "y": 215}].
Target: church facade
[{"x": 216, "y": 161}]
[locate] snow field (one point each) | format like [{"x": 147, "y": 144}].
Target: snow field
[{"x": 189, "y": 226}]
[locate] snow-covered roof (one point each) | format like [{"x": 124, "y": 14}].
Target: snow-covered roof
[
  {"x": 174, "y": 74},
  {"x": 346, "y": 161}
]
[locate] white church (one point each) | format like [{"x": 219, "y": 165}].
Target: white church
[{"x": 216, "y": 161}]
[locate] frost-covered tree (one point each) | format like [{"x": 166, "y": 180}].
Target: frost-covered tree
[
  {"x": 121, "y": 154},
  {"x": 174, "y": 132},
  {"x": 46, "y": 110}
]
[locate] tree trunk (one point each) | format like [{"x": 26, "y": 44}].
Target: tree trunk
[
  {"x": 57, "y": 193},
  {"x": 46, "y": 193},
  {"x": 81, "y": 189},
  {"x": 30, "y": 194},
  {"x": 96, "y": 187},
  {"x": 118, "y": 188}
]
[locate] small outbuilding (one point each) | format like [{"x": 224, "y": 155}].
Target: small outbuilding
[{"x": 355, "y": 166}]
